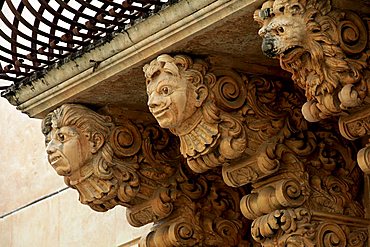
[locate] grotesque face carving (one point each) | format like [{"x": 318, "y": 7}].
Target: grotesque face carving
[
  {"x": 174, "y": 91},
  {"x": 311, "y": 41},
  {"x": 283, "y": 29},
  {"x": 75, "y": 137},
  {"x": 171, "y": 100},
  {"x": 68, "y": 151}
]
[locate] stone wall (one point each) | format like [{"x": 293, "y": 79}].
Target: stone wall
[{"x": 36, "y": 207}]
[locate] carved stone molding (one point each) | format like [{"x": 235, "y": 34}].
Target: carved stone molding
[
  {"x": 111, "y": 160},
  {"x": 325, "y": 49},
  {"x": 302, "y": 227},
  {"x": 325, "y": 178}
]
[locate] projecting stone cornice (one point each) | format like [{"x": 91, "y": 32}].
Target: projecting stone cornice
[{"x": 115, "y": 64}]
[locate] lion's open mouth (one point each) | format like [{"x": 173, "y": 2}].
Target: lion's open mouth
[{"x": 291, "y": 53}]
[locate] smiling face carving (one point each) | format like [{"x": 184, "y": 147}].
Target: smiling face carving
[
  {"x": 175, "y": 91},
  {"x": 170, "y": 100}
]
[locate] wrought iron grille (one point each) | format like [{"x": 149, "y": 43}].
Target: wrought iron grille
[{"x": 36, "y": 34}]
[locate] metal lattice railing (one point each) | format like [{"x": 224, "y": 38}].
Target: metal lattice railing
[{"x": 36, "y": 34}]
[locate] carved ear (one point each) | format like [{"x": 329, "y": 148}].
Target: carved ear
[
  {"x": 96, "y": 142},
  {"x": 296, "y": 9},
  {"x": 202, "y": 93}
]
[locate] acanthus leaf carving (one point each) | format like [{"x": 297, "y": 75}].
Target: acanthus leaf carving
[
  {"x": 285, "y": 227},
  {"x": 335, "y": 178},
  {"x": 302, "y": 227}
]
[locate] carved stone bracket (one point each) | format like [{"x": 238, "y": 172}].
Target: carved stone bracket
[
  {"x": 253, "y": 128},
  {"x": 327, "y": 51},
  {"x": 302, "y": 227},
  {"x": 355, "y": 126},
  {"x": 228, "y": 119},
  {"x": 111, "y": 160},
  {"x": 324, "y": 48}
]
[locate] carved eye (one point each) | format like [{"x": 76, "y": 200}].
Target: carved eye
[
  {"x": 280, "y": 29},
  {"x": 61, "y": 137},
  {"x": 165, "y": 90}
]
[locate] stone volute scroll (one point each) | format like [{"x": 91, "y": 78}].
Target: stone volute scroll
[
  {"x": 299, "y": 174},
  {"x": 222, "y": 117},
  {"x": 112, "y": 160},
  {"x": 327, "y": 51}
]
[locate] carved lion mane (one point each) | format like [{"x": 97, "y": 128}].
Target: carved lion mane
[{"x": 318, "y": 46}]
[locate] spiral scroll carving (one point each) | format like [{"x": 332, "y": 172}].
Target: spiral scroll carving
[
  {"x": 282, "y": 194},
  {"x": 227, "y": 229},
  {"x": 353, "y": 35},
  {"x": 357, "y": 239},
  {"x": 126, "y": 140},
  {"x": 290, "y": 193},
  {"x": 331, "y": 235},
  {"x": 230, "y": 91}
]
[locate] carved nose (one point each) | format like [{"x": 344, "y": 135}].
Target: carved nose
[
  {"x": 268, "y": 48},
  {"x": 153, "y": 101},
  {"x": 50, "y": 148},
  {"x": 262, "y": 32}
]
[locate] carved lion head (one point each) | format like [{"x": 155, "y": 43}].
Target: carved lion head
[{"x": 316, "y": 44}]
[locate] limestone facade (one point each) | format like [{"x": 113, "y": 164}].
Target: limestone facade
[
  {"x": 37, "y": 208},
  {"x": 192, "y": 130}
]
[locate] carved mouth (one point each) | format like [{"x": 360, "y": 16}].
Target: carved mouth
[
  {"x": 291, "y": 53},
  {"x": 160, "y": 112},
  {"x": 54, "y": 159}
]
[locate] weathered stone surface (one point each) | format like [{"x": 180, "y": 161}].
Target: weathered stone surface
[
  {"x": 252, "y": 127},
  {"x": 112, "y": 161},
  {"x": 327, "y": 51}
]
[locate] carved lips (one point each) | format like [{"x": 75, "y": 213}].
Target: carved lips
[
  {"x": 60, "y": 164},
  {"x": 159, "y": 113}
]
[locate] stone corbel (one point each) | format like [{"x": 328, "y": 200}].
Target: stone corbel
[
  {"x": 327, "y": 51},
  {"x": 302, "y": 227},
  {"x": 112, "y": 160},
  {"x": 354, "y": 126},
  {"x": 277, "y": 195},
  {"x": 252, "y": 128},
  {"x": 223, "y": 118}
]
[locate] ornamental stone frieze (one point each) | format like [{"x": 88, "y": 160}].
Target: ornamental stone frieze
[
  {"x": 327, "y": 51},
  {"x": 252, "y": 127},
  {"x": 111, "y": 160}
]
